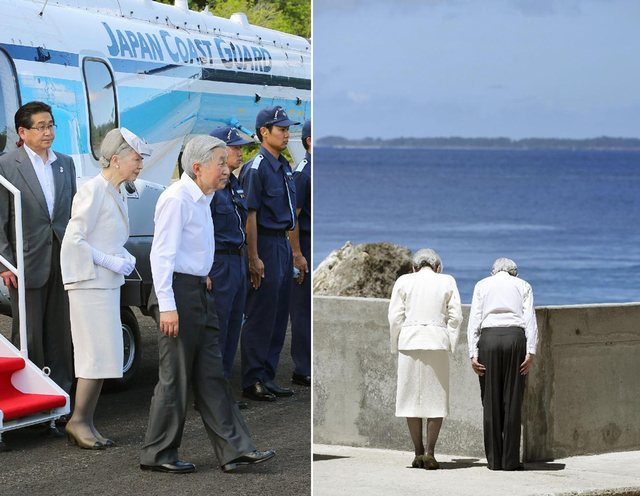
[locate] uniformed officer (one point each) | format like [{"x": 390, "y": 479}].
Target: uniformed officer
[
  {"x": 228, "y": 274},
  {"x": 300, "y": 239},
  {"x": 271, "y": 198}
]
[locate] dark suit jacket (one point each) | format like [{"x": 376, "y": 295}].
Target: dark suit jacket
[{"x": 38, "y": 227}]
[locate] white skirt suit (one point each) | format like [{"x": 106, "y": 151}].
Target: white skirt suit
[
  {"x": 99, "y": 219},
  {"x": 425, "y": 316}
]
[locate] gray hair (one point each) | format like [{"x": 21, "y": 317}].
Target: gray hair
[
  {"x": 505, "y": 265},
  {"x": 426, "y": 257},
  {"x": 113, "y": 144},
  {"x": 199, "y": 150}
]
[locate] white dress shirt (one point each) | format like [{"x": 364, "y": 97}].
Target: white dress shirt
[
  {"x": 44, "y": 172},
  {"x": 502, "y": 300},
  {"x": 424, "y": 312},
  {"x": 183, "y": 237}
]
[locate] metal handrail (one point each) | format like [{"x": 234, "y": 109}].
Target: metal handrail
[{"x": 19, "y": 271}]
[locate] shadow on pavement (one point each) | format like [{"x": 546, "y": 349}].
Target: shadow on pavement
[{"x": 322, "y": 458}]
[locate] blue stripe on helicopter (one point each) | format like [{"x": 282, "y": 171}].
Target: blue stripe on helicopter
[
  {"x": 207, "y": 74},
  {"x": 39, "y": 54}
]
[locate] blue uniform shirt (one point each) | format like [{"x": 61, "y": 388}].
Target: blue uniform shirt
[
  {"x": 270, "y": 190},
  {"x": 302, "y": 178},
  {"x": 229, "y": 212}
]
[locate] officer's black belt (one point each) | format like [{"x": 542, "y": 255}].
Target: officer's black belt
[
  {"x": 231, "y": 251},
  {"x": 189, "y": 278},
  {"x": 272, "y": 232}
]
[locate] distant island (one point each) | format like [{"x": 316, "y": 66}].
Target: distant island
[{"x": 456, "y": 143}]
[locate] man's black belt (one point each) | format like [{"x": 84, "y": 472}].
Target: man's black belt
[
  {"x": 272, "y": 232},
  {"x": 189, "y": 278},
  {"x": 231, "y": 251}
]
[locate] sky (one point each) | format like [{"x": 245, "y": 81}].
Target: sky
[{"x": 476, "y": 68}]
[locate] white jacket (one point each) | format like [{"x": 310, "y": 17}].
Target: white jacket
[
  {"x": 425, "y": 312},
  {"x": 99, "y": 219}
]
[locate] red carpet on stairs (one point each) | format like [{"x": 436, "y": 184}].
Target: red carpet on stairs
[{"x": 14, "y": 403}]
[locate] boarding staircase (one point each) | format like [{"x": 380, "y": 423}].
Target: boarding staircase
[{"x": 27, "y": 395}]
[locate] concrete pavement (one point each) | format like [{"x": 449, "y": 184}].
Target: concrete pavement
[{"x": 343, "y": 470}]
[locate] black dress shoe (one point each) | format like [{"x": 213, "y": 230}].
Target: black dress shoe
[
  {"x": 303, "y": 380},
  {"x": 242, "y": 405},
  {"x": 53, "y": 432},
  {"x": 62, "y": 421},
  {"x": 249, "y": 459},
  {"x": 258, "y": 392},
  {"x": 176, "y": 467},
  {"x": 273, "y": 388}
]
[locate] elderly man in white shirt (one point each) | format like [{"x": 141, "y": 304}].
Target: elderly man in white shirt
[
  {"x": 424, "y": 318},
  {"x": 181, "y": 257},
  {"x": 502, "y": 336}
]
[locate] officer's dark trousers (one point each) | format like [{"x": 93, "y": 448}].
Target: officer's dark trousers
[
  {"x": 193, "y": 358},
  {"x": 267, "y": 312},
  {"x": 502, "y": 350},
  {"x": 301, "y": 314},
  {"x": 229, "y": 288},
  {"x": 48, "y": 324}
]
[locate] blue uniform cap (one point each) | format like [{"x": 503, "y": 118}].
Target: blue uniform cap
[
  {"x": 274, "y": 115},
  {"x": 306, "y": 130},
  {"x": 229, "y": 135}
]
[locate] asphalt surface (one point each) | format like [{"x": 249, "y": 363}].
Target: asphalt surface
[{"x": 38, "y": 465}]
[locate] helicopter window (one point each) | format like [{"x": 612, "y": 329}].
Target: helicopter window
[
  {"x": 101, "y": 99},
  {"x": 9, "y": 103}
]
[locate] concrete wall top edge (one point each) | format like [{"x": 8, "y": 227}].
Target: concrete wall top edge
[{"x": 466, "y": 305}]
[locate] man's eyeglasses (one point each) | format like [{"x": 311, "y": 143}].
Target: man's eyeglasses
[{"x": 42, "y": 128}]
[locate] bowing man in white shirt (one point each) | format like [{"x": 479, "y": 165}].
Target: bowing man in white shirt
[
  {"x": 502, "y": 336},
  {"x": 181, "y": 257}
]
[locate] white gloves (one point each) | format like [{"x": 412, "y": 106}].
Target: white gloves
[{"x": 118, "y": 265}]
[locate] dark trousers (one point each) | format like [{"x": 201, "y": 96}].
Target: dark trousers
[
  {"x": 229, "y": 288},
  {"x": 502, "y": 350},
  {"x": 301, "y": 314},
  {"x": 193, "y": 358},
  {"x": 48, "y": 324},
  {"x": 267, "y": 312}
]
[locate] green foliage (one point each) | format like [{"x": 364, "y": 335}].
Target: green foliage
[{"x": 289, "y": 16}]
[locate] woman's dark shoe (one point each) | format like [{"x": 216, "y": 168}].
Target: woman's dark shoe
[
  {"x": 108, "y": 443},
  {"x": 418, "y": 462},
  {"x": 74, "y": 438},
  {"x": 430, "y": 462}
]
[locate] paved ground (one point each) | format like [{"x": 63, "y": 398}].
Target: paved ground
[
  {"x": 341, "y": 470},
  {"x": 43, "y": 466}
]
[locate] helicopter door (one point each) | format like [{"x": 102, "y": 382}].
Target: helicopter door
[{"x": 9, "y": 103}]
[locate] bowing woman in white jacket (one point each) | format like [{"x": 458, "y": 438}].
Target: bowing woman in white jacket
[
  {"x": 94, "y": 263},
  {"x": 425, "y": 318}
]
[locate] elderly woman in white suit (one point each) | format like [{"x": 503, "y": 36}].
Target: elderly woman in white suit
[
  {"x": 94, "y": 263},
  {"x": 425, "y": 316}
]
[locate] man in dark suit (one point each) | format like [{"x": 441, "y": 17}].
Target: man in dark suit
[{"x": 47, "y": 181}]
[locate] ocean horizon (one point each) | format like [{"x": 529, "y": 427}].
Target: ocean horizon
[{"x": 569, "y": 219}]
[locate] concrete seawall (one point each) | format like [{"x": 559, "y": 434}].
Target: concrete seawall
[{"x": 583, "y": 392}]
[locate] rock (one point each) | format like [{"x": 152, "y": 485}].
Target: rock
[{"x": 368, "y": 270}]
